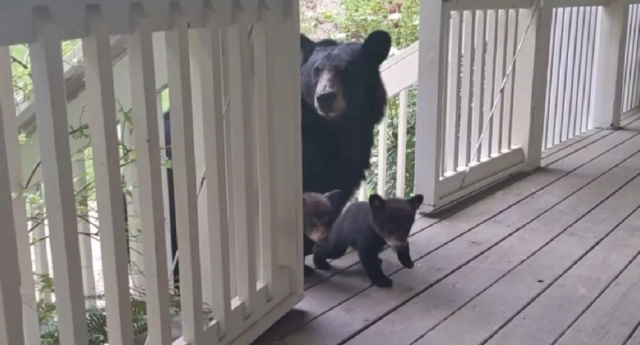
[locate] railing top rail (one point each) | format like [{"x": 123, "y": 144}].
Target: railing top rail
[{"x": 19, "y": 19}]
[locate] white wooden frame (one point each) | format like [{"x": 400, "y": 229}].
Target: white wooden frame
[{"x": 201, "y": 72}]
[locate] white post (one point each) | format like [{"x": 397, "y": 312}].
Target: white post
[
  {"x": 431, "y": 73},
  {"x": 531, "y": 84},
  {"x": 609, "y": 64},
  {"x": 40, "y": 248},
  {"x": 130, "y": 174},
  {"x": 8, "y": 120},
  {"x": 84, "y": 229},
  {"x": 165, "y": 184}
]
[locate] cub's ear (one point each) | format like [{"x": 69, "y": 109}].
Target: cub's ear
[
  {"x": 415, "y": 201},
  {"x": 334, "y": 197},
  {"x": 307, "y": 46},
  {"x": 377, "y": 203},
  {"x": 377, "y": 46}
]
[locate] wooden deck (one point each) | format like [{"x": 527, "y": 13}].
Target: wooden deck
[{"x": 552, "y": 258}]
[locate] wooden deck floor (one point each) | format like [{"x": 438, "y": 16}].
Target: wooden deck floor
[{"x": 550, "y": 259}]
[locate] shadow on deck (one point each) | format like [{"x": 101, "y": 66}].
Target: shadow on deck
[{"x": 549, "y": 259}]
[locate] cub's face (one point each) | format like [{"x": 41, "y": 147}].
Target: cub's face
[
  {"x": 319, "y": 213},
  {"x": 335, "y": 75},
  {"x": 393, "y": 219}
]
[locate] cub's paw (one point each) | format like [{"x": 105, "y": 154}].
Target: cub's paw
[
  {"x": 308, "y": 271},
  {"x": 321, "y": 264},
  {"x": 383, "y": 282},
  {"x": 408, "y": 264}
]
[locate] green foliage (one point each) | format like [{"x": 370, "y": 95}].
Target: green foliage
[
  {"x": 354, "y": 21},
  {"x": 96, "y": 316}
]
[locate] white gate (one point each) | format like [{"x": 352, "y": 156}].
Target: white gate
[
  {"x": 234, "y": 110},
  {"x": 483, "y": 90}
]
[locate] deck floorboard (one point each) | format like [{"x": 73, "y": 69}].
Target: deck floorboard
[{"x": 548, "y": 259}]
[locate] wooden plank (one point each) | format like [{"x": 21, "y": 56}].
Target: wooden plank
[
  {"x": 613, "y": 317},
  {"x": 578, "y": 138},
  {"x": 145, "y": 122},
  {"x": 401, "y": 158},
  {"x": 184, "y": 179},
  {"x": 466, "y": 97},
  {"x": 635, "y": 337},
  {"x": 106, "y": 160},
  {"x": 481, "y": 313},
  {"x": 382, "y": 155},
  {"x": 351, "y": 258},
  {"x": 243, "y": 165},
  {"x": 549, "y": 315},
  {"x": 498, "y": 259},
  {"x": 8, "y": 120},
  {"x": 51, "y": 118},
  {"x": 216, "y": 268},
  {"x": 453, "y": 100},
  {"x": 320, "y": 301},
  {"x": 583, "y": 144},
  {"x": 11, "y": 313}
]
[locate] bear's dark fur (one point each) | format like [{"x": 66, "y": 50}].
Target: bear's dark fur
[
  {"x": 319, "y": 213},
  {"x": 367, "y": 227},
  {"x": 343, "y": 98}
]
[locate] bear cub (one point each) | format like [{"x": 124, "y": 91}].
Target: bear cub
[
  {"x": 367, "y": 227},
  {"x": 319, "y": 213}
]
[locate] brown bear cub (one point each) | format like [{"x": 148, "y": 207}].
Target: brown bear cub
[
  {"x": 367, "y": 227},
  {"x": 319, "y": 213}
]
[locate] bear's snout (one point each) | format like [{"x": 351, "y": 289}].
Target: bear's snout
[{"x": 326, "y": 100}]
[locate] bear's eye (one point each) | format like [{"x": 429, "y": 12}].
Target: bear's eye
[{"x": 316, "y": 71}]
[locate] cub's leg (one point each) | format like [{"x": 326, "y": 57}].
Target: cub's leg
[
  {"x": 322, "y": 252},
  {"x": 373, "y": 266},
  {"x": 308, "y": 250},
  {"x": 405, "y": 258}
]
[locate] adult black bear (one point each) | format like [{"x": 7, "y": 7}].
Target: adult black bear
[
  {"x": 368, "y": 226},
  {"x": 343, "y": 98}
]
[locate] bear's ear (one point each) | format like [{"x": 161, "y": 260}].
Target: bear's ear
[
  {"x": 377, "y": 46},
  {"x": 377, "y": 203},
  {"x": 334, "y": 197},
  {"x": 307, "y": 46},
  {"x": 415, "y": 201}
]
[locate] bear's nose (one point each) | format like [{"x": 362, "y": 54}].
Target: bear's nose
[{"x": 326, "y": 99}]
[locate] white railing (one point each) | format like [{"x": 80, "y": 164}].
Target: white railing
[
  {"x": 400, "y": 75},
  {"x": 485, "y": 129},
  {"x": 631, "y": 82},
  {"x": 570, "y": 78},
  {"x": 222, "y": 62}
]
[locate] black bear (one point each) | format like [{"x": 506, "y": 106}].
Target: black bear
[
  {"x": 367, "y": 227},
  {"x": 319, "y": 213},
  {"x": 343, "y": 98}
]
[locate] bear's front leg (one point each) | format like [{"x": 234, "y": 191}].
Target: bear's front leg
[
  {"x": 372, "y": 265},
  {"x": 322, "y": 252},
  {"x": 405, "y": 258},
  {"x": 330, "y": 250},
  {"x": 307, "y": 250}
]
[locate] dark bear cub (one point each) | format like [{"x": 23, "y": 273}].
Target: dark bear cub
[
  {"x": 367, "y": 227},
  {"x": 319, "y": 213}
]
